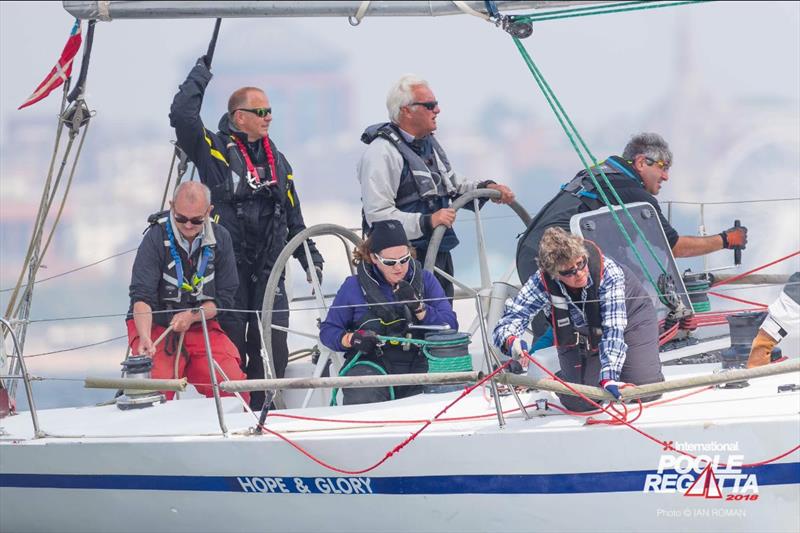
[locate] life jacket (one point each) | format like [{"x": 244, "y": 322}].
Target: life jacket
[
  {"x": 566, "y": 333},
  {"x": 256, "y": 217},
  {"x": 186, "y": 281},
  {"x": 577, "y": 196},
  {"x": 424, "y": 187},
  {"x": 386, "y": 317}
]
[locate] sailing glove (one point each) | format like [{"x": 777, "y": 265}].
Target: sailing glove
[
  {"x": 613, "y": 387},
  {"x": 365, "y": 341},
  {"x": 515, "y": 367},
  {"x": 761, "y": 350},
  {"x": 515, "y": 346},
  {"x": 318, "y": 268},
  {"x": 404, "y": 292},
  {"x": 735, "y": 237}
]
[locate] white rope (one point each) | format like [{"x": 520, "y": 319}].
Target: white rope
[
  {"x": 362, "y": 10},
  {"x": 469, "y": 11},
  {"x": 102, "y": 11}
]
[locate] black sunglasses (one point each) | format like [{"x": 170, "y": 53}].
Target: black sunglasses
[
  {"x": 430, "y": 106},
  {"x": 392, "y": 262},
  {"x": 196, "y": 221},
  {"x": 574, "y": 271},
  {"x": 260, "y": 111}
]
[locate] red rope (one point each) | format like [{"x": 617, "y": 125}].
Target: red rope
[
  {"x": 397, "y": 448},
  {"x": 664, "y": 444},
  {"x": 740, "y": 276},
  {"x": 741, "y": 301}
]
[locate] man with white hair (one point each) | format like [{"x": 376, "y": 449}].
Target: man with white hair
[{"x": 405, "y": 174}]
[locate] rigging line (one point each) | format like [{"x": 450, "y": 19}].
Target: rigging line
[
  {"x": 68, "y": 186},
  {"x": 76, "y": 269},
  {"x": 98, "y": 343},
  {"x": 792, "y": 199},
  {"x": 558, "y": 110},
  {"x": 463, "y": 219},
  {"x": 35, "y": 235},
  {"x": 315, "y": 308},
  {"x": 731, "y": 280},
  {"x": 602, "y": 10}
]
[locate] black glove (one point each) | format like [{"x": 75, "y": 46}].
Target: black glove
[
  {"x": 318, "y": 268},
  {"x": 515, "y": 367},
  {"x": 203, "y": 61},
  {"x": 404, "y": 292},
  {"x": 365, "y": 341},
  {"x": 734, "y": 237}
]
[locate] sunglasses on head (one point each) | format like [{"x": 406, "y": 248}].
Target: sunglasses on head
[
  {"x": 574, "y": 270},
  {"x": 430, "y": 106},
  {"x": 196, "y": 221},
  {"x": 392, "y": 262},
  {"x": 260, "y": 111}
]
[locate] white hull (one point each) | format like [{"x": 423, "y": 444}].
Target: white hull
[{"x": 551, "y": 472}]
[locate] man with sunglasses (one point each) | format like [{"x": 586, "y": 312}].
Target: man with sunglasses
[
  {"x": 254, "y": 197},
  {"x": 637, "y": 176},
  {"x": 604, "y": 324},
  {"x": 405, "y": 174},
  {"x": 184, "y": 263}
]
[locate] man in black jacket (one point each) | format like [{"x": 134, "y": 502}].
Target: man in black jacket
[
  {"x": 637, "y": 176},
  {"x": 255, "y": 199},
  {"x": 185, "y": 263}
]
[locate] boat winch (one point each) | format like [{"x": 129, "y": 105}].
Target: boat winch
[
  {"x": 138, "y": 367},
  {"x": 447, "y": 351},
  {"x": 743, "y": 329}
]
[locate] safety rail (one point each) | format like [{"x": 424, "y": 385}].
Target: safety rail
[
  {"x": 702, "y": 214},
  {"x": 26, "y": 378}
]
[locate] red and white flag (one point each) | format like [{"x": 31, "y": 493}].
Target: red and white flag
[{"x": 61, "y": 71}]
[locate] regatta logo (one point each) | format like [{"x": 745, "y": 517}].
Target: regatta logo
[
  {"x": 706, "y": 476},
  {"x": 712, "y": 446}
]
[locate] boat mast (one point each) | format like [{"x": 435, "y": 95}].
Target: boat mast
[{"x": 115, "y": 9}]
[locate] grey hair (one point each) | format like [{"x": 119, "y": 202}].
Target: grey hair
[
  {"x": 401, "y": 94},
  {"x": 558, "y": 248},
  {"x": 650, "y": 145},
  {"x": 192, "y": 189}
]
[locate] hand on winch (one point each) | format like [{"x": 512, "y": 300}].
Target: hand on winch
[
  {"x": 146, "y": 346},
  {"x": 735, "y": 237},
  {"x": 365, "y": 341}
]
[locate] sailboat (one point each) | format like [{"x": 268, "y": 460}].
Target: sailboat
[{"x": 497, "y": 455}]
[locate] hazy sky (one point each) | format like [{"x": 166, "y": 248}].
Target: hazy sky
[{"x": 600, "y": 66}]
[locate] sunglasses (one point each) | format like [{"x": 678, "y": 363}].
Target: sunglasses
[
  {"x": 260, "y": 111},
  {"x": 663, "y": 165},
  {"x": 392, "y": 262},
  {"x": 196, "y": 221},
  {"x": 430, "y": 106},
  {"x": 574, "y": 271}
]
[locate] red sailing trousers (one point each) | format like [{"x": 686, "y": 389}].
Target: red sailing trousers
[{"x": 193, "y": 363}]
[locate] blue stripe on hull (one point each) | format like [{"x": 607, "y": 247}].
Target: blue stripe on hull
[{"x": 630, "y": 481}]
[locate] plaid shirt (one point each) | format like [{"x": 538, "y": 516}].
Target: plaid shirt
[{"x": 533, "y": 297}]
